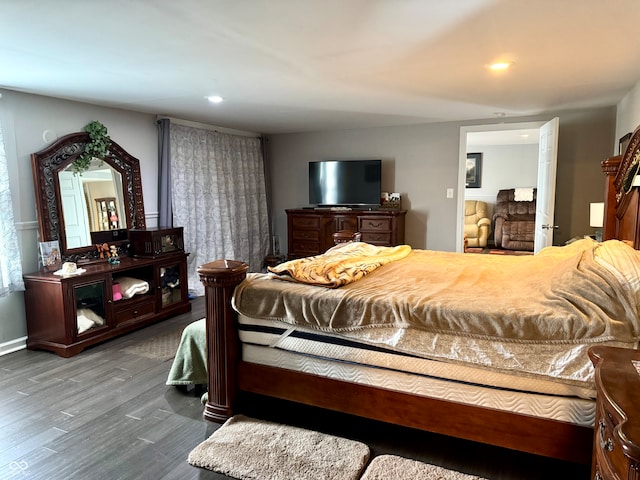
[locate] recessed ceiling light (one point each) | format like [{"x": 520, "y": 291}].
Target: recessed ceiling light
[
  {"x": 214, "y": 98},
  {"x": 499, "y": 66}
]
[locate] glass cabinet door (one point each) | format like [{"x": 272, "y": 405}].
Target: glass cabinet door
[
  {"x": 171, "y": 289},
  {"x": 90, "y": 307}
]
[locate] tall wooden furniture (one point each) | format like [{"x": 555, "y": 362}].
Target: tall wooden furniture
[
  {"x": 310, "y": 232},
  {"x": 616, "y": 440}
]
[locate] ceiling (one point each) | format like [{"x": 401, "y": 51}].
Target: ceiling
[{"x": 305, "y": 65}]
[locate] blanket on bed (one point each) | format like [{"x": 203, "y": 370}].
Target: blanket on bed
[
  {"x": 529, "y": 313},
  {"x": 560, "y": 295},
  {"x": 340, "y": 265}
]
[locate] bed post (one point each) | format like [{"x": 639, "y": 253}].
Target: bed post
[
  {"x": 610, "y": 168},
  {"x": 223, "y": 346}
]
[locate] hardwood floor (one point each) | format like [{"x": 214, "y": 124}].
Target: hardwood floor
[{"x": 107, "y": 414}]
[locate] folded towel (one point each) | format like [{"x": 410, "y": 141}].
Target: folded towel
[{"x": 523, "y": 194}]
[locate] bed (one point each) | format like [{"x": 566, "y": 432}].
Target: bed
[{"x": 386, "y": 361}]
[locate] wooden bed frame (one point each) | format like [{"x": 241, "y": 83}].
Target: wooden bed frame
[{"x": 229, "y": 375}]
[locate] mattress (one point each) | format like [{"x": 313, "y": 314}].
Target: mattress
[{"x": 279, "y": 345}]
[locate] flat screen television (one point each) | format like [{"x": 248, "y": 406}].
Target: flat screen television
[{"x": 345, "y": 183}]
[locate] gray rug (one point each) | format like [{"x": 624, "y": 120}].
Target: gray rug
[
  {"x": 391, "y": 467},
  {"x": 251, "y": 449},
  {"x": 160, "y": 347}
]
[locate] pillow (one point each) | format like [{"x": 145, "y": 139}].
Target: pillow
[
  {"x": 132, "y": 286},
  {"x": 623, "y": 261}
]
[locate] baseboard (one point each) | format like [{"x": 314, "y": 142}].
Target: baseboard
[{"x": 13, "y": 346}]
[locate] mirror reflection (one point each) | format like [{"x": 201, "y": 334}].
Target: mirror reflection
[
  {"x": 91, "y": 202},
  {"x": 66, "y": 214}
]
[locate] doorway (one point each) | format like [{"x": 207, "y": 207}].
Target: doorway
[{"x": 525, "y": 139}]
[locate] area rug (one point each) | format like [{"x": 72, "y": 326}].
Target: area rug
[
  {"x": 160, "y": 347},
  {"x": 251, "y": 449},
  {"x": 391, "y": 467}
]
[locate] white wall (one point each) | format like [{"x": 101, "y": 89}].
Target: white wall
[
  {"x": 504, "y": 166},
  {"x": 25, "y": 118},
  {"x": 628, "y": 114}
]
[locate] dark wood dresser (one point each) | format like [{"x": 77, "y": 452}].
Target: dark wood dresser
[
  {"x": 616, "y": 442},
  {"x": 57, "y": 307},
  {"x": 310, "y": 232}
]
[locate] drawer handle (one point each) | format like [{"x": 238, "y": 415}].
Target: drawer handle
[
  {"x": 597, "y": 476},
  {"x": 605, "y": 445},
  {"x": 375, "y": 225}
]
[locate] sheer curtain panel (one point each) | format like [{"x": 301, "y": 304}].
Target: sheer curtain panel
[
  {"x": 218, "y": 195},
  {"x": 10, "y": 264}
]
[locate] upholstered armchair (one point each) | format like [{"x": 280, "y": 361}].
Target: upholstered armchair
[
  {"x": 477, "y": 224},
  {"x": 514, "y": 220}
]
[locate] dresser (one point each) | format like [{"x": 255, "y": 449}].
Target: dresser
[
  {"x": 66, "y": 314},
  {"x": 310, "y": 231},
  {"x": 616, "y": 442}
]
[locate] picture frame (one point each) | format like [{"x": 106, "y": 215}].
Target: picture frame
[
  {"x": 474, "y": 170},
  {"x": 390, "y": 201},
  {"x": 623, "y": 142},
  {"x": 50, "y": 256}
]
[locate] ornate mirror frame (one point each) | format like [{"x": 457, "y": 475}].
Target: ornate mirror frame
[{"x": 47, "y": 163}]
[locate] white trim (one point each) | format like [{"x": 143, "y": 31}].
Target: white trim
[
  {"x": 22, "y": 226},
  {"x": 13, "y": 346},
  {"x": 214, "y": 128}
]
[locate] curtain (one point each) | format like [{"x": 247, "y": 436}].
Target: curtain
[
  {"x": 165, "y": 217},
  {"x": 218, "y": 195},
  {"x": 10, "y": 265}
]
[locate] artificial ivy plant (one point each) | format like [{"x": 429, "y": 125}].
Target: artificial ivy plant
[{"x": 97, "y": 147}]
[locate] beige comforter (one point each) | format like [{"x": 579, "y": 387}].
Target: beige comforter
[{"x": 551, "y": 305}]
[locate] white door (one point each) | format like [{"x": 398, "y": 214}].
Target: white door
[
  {"x": 76, "y": 226},
  {"x": 547, "y": 166}
]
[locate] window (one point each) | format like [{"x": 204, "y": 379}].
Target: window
[{"x": 10, "y": 264}]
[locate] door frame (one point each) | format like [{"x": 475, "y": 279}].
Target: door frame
[{"x": 462, "y": 165}]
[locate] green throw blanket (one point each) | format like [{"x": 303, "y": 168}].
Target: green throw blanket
[{"x": 190, "y": 363}]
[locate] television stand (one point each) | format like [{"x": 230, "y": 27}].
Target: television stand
[{"x": 310, "y": 232}]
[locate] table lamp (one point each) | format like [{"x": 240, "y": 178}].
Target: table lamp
[{"x": 596, "y": 218}]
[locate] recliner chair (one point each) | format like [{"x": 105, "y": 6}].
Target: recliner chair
[
  {"x": 477, "y": 224},
  {"x": 514, "y": 221}
]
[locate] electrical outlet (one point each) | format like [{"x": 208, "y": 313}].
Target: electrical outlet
[{"x": 449, "y": 192}]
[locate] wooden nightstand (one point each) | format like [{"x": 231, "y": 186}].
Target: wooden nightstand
[{"x": 616, "y": 440}]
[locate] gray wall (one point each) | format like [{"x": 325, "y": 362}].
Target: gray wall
[{"x": 421, "y": 162}]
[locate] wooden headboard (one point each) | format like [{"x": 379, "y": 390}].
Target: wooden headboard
[{"x": 622, "y": 199}]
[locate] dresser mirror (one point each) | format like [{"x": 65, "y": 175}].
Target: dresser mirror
[{"x": 79, "y": 210}]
